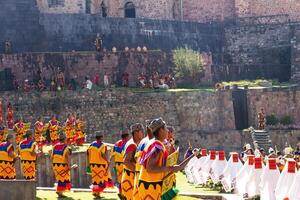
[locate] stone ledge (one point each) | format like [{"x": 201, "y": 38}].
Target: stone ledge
[{"x": 17, "y": 189}]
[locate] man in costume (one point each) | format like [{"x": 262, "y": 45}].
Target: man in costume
[
  {"x": 20, "y": 130},
  {"x": 10, "y": 116},
  {"x": 118, "y": 158},
  {"x": 7, "y": 159},
  {"x": 138, "y": 154},
  {"x": 218, "y": 166},
  {"x": 127, "y": 183},
  {"x": 261, "y": 119},
  {"x": 53, "y": 129},
  {"x": 28, "y": 156},
  {"x": 79, "y": 130},
  {"x": 39, "y": 130},
  {"x": 70, "y": 129},
  {"x": 98, "y": 161},
  {"x": 153, "y": 160},
  {"x": 61, "y": 160}
]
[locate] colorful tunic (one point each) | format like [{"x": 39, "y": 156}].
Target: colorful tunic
[
  {"x": 53, "y": 128},
  {"x": 101, "y": 177},
  {"x": 150, "y": 184},
  {"x": 118, "y": 157},
  {"x": 38, "y": 133},
  {"x": 60, "y": 167},
  {"x": 20, "y": 130},
  {"x": 28, "y": 161},
  {"x": 138, "y": 166},
  {"x": 7, "y": 168},
  {"x": 69, "y": 131},
  {"x": 79, "y": 133},
  {"x": 127, "y": 183},
  {"x": 3, "y": 134}
]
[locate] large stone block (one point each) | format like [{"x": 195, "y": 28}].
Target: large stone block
[{"x": 17, "y": 189}]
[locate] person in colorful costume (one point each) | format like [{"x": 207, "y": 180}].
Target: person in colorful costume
[
  {"x": 153, "y": 160},
  {"x": 69, "y": 129},
  {"x": 61, "y": 160},
  {"x": 20, "y": 130},
  {"x": 7, "y": 159},
  {"x": 28, "y": 156},
  {"x": 98, "y": 161},
  {"x": 53, "y": 129},
  {"x": 39, "y": 129},
  {"x": 127, "y": 182},
  {"x": 117, "y": 158},
  {"x": 79, "y": 131},
  {"x": 138, "y": 154},
  {"x": 10, "y": 116},
  {"x": 3, "y": 133}
]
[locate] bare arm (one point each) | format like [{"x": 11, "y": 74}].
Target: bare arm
[{"x": 129, "y": 162}]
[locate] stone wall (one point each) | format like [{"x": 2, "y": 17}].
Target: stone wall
[
  {"x": 262, "y": 8},
  {"x": 256, "y": 51},
  {"x": 68, "y": 6},
  {"x": 77, "y": 65},
  {"x": 206, "y": 11},
  {"x": 17, "y": 189},
  {"x": 112, "y": 111},
  {"x": 279, "y": 102}
]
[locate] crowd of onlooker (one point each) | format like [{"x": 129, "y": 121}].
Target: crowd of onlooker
[{"x": 58, "y": 82}]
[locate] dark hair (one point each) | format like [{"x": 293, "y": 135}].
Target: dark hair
[
  {"x": 123, "y": 136},
  {"x": 99, "y": 137},
  {"x": 156, "y": 132}
]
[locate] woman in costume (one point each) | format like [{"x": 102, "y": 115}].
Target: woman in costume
[
  {"x": 79, "y": 131},
  {"x": 28, "y": 156},
  {"x": 69, "y": 129},
  {"x": 61, "y": 160},
  {"x": 127, "y": 183},
  {"x": 38, "y": 132},
  {"x": 20, "y": 130},
  {"x": 153, "y": 160},
  {"x": 118, "y": 158},
  {"x": 53, "y": 129},
  {"x": 7, "y": 159},
  {"x": 98, "y": 161}
]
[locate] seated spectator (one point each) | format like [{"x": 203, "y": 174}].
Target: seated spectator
[
  {"x": 27, "y": 86},
  {"x": 89, "y": 83},
  {"x": 125, "y": 79},
  {"x": 97, "y": 79},
  {"x": 142, "y": 80},
  {"x": 41, "y": 85}
]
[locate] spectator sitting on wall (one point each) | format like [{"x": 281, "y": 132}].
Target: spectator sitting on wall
[
  {"x": 60, "y": 80},
  {"x": 27, "y": 86},
  {"x": 162, "y": 85},
  {"x": 125, "y": 79},
  {"x": 142, "y": 80},
  {"x": 41, "y": 85},
  {"x": 106, "y": 81},
  {"x": 155, "y": 80},
  {"x": 97, "y": 79},
  {"x": 16, "y": 84},
  {"x": 89, "y": 83},
  {"x": 73, "y": 83},
  {"x": 53, "y": 85}
]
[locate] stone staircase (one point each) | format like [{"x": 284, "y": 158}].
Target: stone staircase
[{"x": 261, "y": 139}]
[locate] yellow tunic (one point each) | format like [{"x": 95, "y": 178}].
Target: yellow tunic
[
  {"x": 53, "y": 128},
  {"x": 20, "y": 130},
  {"x": 60, "y": 167},
  {"x": 7, "y": 168},
  {"x": 79, "y": 136},
  {"x": 150, "y": 184},
  {"x": 127, "y": 183},
  {"x": 28, "y": 161},
  {"x": 101, "y": 177},
  {"x": 38, "y": 132}
]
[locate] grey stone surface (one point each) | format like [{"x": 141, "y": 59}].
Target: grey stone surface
[{"x": 17, "y": 189}]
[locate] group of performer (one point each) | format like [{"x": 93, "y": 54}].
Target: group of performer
[
  {"x": 145, "y": 164},
  {"x": 48, "y": 133},
  {"x": 250, "y": 174}
]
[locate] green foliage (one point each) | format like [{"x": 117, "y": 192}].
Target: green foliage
[
  {"x": 188, "y": 63},
  {"x": 272, "y": 120},
  {"x": 286, "y": 120}
]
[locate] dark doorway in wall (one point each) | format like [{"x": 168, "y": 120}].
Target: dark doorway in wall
[
  {"x": 88, "y": 6},
  {"x": 129, "y": 10},
  {"x": 240, "y": 108}
]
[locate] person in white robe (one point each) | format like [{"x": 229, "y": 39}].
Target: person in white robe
[
  {"x": 196, "y": 171},
  {"x": 207, "y": 166},
  {"x": 234, "y": 165},
  {"x": 242, "y": 176},
  {"x": 294, "y": 193},
  {"x": 269, "y": 180},
  {"x": 286, "y": 179},
  {"x": 188, "y": 169},
  {"x": 217, "y": 167}
]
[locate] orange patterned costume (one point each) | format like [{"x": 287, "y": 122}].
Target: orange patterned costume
[
  {"x": 53, "y": 128},
  {"x": 69, "y": 130},
  {"x": 101, "y": 177},
  {"x": 38, "y": 133},
  {"x": 7, "y": 168},
  {"x": 20, "y": 131},
  {"x": 79, "y": 132},
  {"x": 60, "y": 167},
  {"x": 28, "y": 161}
]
